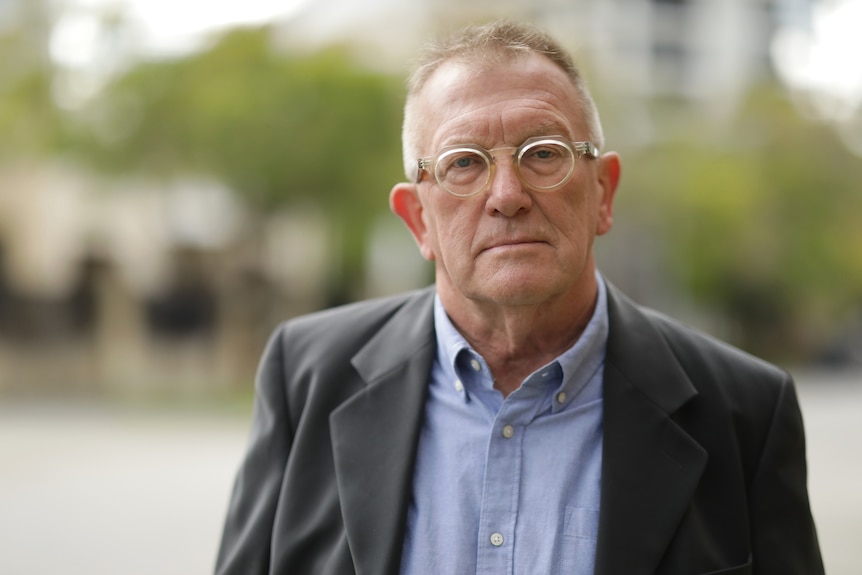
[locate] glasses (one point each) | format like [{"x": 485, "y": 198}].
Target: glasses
[{"x": 543, "y": 163}]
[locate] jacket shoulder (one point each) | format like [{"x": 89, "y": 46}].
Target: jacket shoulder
[
  {"x": 655, "y": 350},
  {"x": 704, "y": 353},
  {"x": 734, "y": 388},
  {"x": 340, "y": 330}
]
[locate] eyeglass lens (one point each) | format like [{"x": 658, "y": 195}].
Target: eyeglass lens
[{"x": 541, "y": 165}]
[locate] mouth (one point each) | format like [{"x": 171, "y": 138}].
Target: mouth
[{"x": 515, "y": 244}]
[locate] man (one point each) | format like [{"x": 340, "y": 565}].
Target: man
[{"x": 522, "y": 416}]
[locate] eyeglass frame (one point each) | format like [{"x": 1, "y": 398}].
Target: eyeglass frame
[{"x": 584, "y": 148}]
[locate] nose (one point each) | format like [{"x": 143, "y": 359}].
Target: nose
[{"x": 507, "y": 194}]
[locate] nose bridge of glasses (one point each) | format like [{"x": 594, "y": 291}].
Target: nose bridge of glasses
[
  {"x": 510, "y": 152},
  {"x": 511, "y": 169},
  {"x": 505, "y": 151}
]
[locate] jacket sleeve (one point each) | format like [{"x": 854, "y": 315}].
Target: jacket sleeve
[
  {"x": 783, "y": 532},
  {"x": 246, "y": 540}
]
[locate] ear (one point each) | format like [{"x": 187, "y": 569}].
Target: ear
[
  {"x": 405, "y": 203},
  {"x": 609, "y": 177}
]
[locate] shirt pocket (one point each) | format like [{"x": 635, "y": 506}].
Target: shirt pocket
[{"x": 578, "y": 549}]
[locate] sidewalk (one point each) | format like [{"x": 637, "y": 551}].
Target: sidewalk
[
  {"x": 832, "y": 410},
  {"x": 96, "y": 490}
]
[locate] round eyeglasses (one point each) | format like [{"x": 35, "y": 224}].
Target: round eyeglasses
[{"x": 544, "y": 164}]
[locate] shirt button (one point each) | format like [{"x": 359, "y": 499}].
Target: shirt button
[
  {"x": 474, "y": 363},
  {"x": 459, "y": 387},
  {"x": 561, "y": 397},
  {"x": 508, "y": 431},
  {"x": 496, "y": 539}
]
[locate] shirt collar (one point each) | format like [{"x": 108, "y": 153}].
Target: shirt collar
[{"x": 569, "y": 373}]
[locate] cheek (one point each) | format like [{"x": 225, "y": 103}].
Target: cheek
[
  {"x": 452, "y": 239},
  {"x": 429, "y": 246},
  {"x": 575, "y": 221},
  {"x": 451, "y": 233}
]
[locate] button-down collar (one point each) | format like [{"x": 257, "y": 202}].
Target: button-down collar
[{"x": 560, "y": 383}]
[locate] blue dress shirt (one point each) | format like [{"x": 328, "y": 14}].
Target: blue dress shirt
[{"x": 509, "y": 486}]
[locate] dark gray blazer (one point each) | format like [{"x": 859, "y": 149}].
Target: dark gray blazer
[{"x": 703, "y": 469}]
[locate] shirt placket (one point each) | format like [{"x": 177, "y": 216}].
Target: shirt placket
[{"x": 500, "y": 494}]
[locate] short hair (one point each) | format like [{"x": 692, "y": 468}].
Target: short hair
[{"x": 503, "y": 40}]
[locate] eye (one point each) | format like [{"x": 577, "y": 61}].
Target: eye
[
  {"x": 545, "y": 153},
  {"x": 460, "y": 162}
]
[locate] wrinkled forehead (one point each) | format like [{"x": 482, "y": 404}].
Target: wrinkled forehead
[
  {"x": 462, "y": 75},
  {"x": 494, "y": 89}
]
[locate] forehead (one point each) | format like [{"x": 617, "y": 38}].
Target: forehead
[{"x": 494, "y": 102}]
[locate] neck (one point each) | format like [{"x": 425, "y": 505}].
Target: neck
[{"x": 516, "y": 340}]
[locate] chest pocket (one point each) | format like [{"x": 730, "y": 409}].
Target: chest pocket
[{"x": 578, "y": 549}]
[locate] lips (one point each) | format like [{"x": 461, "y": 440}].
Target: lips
[{"x": 514, "y": 242}]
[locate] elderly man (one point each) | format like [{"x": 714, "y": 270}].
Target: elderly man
[{"x": 522, "y": 416}]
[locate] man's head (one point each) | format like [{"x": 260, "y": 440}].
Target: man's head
[
  {"x": 509, "y": 243},
  {"x": 489, "y": 44}
]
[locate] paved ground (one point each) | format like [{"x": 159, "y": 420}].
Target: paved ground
[
  {"x": 99, "y": 490},
  {"x": 832, "y": 409},
  {"x": 94, "y": 490}
]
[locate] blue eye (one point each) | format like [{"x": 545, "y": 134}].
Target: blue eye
[{"x": 463, "y": 162}]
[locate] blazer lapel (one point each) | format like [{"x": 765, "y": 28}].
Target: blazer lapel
[
  {"x": 650, "y": 466},
  {"x": 375, "y": 435}
]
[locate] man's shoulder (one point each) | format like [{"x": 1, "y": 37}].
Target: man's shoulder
[
  {"x": 683, "y": 370},
  {"x": 694, "y": 347},
  {"x": 352, "y": 322},
  {"x": 368, "y": 310},
  {"x": 708, "y": 362}
]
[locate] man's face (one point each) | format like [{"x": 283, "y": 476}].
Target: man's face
[{"x": 507, "y": 245}]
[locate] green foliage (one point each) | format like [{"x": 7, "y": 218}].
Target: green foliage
[
  {"x": 27, "y": 117},
  {"x": 30, "y": 123},
  {"x": 274, "y": 127},
  {"x": 278, "y": 129},
  {"x": 762, "y": 227}
]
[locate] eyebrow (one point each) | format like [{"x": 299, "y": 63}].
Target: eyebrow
[
  {"x": 542, "y": 129},
  {"x": 549, "y": 129}
]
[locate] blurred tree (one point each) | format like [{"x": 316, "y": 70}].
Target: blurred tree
[
  {"x": 31, "y": 124},
  {"x": 762, "y": 226},
  {"x": 279, "y": 129}
]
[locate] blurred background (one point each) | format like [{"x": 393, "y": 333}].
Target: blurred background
[{"x": 176, "y": 178}]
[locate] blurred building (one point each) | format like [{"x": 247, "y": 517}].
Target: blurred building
[
  {"x": 701, "y": 55},
  {"x": 702, "y": 52},
  {"x": 153, "y": 287}
]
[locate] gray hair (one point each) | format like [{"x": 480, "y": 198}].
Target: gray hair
[{"x": 502, "y": 41}]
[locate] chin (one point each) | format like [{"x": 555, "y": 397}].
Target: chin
[{"x": 519, "y": 291}]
